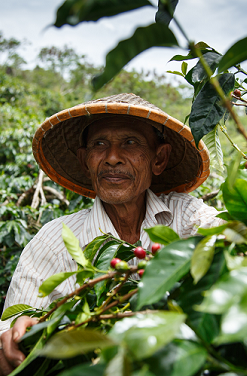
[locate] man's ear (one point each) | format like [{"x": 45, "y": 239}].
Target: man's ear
[
  {"x": 81, "y": 156},
  {"x": 162, "y": 158}
]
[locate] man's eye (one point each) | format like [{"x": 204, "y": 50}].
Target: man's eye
[
  {"x": 99, "y": 143},
  {"x": 130, "y": 142}
]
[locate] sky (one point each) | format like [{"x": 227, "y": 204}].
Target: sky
[{"x": 219, "y": 23}]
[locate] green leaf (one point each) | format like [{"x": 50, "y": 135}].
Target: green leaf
[
  {"x": 211, "y": 231},
  {"x": 92, "y": 248},
  {"x": 184, "y": 67},
  {"x": 179, "y": 358},
  {"x": 165, "y": 11},
  {"x": 234, "y": 323},
  {"x": 103, "y": 263},
  {"x": 162, "y": 234},
  {"x": 88, "y": 369},
  {"x": 73, "y": 12},
  {"x": 52, "y": 282},
  {"x": 205, "y": 324},
  {"x": 235, "y": 55},
  {"x": 206, "y": 110},
  {"x": 143, "y": 334},
  {"x": 198, "y": 72},
  {"x": 15, "y": 310},
  {"x": 119, "y": 365},
  {"x": 154, "y": 35},
  {"x": 227, "y": 291},
  {"x": 72, "y": 244},
  {"x": 165, "y": 269},
  {"x": 72, "y": 343},
  {"x": 235, "y": 199},
  {"x": 236, "y": 232},
  {"x": 176, "y": 73},
  {"x": 202, "y": 257},
  {"x": 235, "y": 262},
  {"x": 212, "y": 142}
]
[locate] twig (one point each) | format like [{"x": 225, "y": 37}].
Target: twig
[
  {"x": 210, "y": 195},
  {"x": 56, "y": 193},
  {"x": 24, "y": 195},
  {"x": 223, "y": 130},
  {"x": 114, "y": 292},
  {"x": 112, "y": 315},
  {"x": 35, "y": 201},
  {"x": 88, "y": 284}
]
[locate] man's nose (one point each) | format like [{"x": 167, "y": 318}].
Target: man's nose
[{"x": 114, "y": 155}]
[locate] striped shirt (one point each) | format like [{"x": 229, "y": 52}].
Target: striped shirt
[{"x": 46, "y": 254}]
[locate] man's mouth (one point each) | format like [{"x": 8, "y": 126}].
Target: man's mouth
[{"x": 114, "y": 177}]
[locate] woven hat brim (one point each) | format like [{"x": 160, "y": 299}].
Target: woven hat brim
[{"x": 56, "y": 142}]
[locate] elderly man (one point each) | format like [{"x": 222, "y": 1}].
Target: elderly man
[{"x": 127, "y": 153}]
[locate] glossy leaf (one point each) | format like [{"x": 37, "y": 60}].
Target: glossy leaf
[
  {"x": 206, "y": 110},
  {"x": 119, "y": 365},
  {"x": 179, "y": 358},
  {"x": 205, "y": 324},
  {"x": 235, "y": 199},
  {"x": 227, "y": 291},
  {"x": 15, "y": 310},
  {"x": 143, "y": 334},
  {"x": 202, "y": 257},
  {"x": 52, "y": 282},
  {"x": 154, "y": 35},
  {"x": 72, "y": 244},
  {"x": 92, "y": 248},
  {"x": 72, "y": 12},
  {"x": 162, "y": 234},
  {"x": 198, "y": 72},
  {"x": 103, "y": 263},
  {"x": 165, "y": 269},
  {"x": 235, "y": 55},
  {"x": 72, "y": 343},
  {"x": 212, "y": 142}
]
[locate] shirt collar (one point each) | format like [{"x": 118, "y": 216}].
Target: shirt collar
[{"x": 98, "y": 220}]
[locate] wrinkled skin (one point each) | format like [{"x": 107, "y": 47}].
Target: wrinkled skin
[{"x": 120, "y": 159}]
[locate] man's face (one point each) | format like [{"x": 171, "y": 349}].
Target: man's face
[{"x": 120, "y": 159}]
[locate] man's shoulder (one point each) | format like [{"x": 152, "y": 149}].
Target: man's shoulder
[
  {"x": 53, "y": 229},
  {"x": 175, "y": 197}
]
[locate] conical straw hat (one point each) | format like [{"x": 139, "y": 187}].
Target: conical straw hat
[{"x": 56, "y": 142}]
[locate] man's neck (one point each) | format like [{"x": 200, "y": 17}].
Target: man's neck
[{"x": 127, "y": 218}]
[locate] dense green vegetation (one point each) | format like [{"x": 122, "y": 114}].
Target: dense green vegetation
[{"x": 192, "y": 317}]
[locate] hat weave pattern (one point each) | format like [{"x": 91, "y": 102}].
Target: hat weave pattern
[{"x": 56, "y": 142}]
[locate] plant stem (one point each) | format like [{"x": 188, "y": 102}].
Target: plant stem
[
  {"x": 223, "y": 130},
  {"x": 88, "y": 284},
  {"x": 114, "y": 292},
  {"x": 112, "y": 315}
]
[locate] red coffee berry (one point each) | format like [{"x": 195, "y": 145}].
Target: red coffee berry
[
  {"x": 114, "y": 262},
  {"x": 237, "y": 93},
  {"x": 155, "y": 248},
  {"x": 139, "y": 252},
  {"x": 140, "y": 272}
]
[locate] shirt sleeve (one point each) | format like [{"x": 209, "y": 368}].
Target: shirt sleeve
[
  {"x": 38, "y": 261},
  {"x": 197, "y": 214}
]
